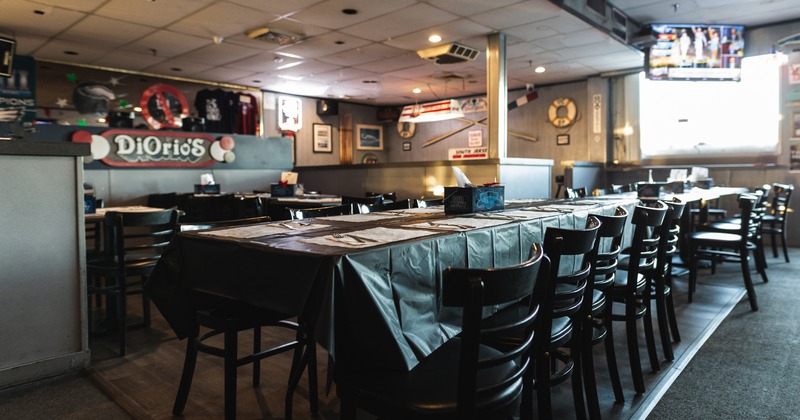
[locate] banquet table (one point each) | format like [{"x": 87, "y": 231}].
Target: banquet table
[{"x": 371, "y": 278}]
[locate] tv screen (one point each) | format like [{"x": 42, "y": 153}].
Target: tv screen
[{"x": 695, "y": 52}]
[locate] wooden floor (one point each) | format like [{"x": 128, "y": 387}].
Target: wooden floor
[{"x": 145, "y": 381}]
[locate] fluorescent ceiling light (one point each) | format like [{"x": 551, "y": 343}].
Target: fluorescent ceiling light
[{"x": 289, "y": 65}]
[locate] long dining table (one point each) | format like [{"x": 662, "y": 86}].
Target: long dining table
[{"x": 366, "y": 283}]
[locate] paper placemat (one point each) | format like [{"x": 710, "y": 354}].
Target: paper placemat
[
  {"x": 520, "y": 214},
  {"x": 460, "y": 223},
  {"x": 356, "y": 218},
  {"x": 367, "y": 237},
  {"x": 257, "y": 231}
]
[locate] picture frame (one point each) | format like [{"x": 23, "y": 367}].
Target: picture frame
[
  {"x": 322, "y": 135},
  {"x": 369, "y": 137},
  {"x": 406, "y": 146},
  {"x": 562, "y": 139},
  {"x": 796, "y": 124}
]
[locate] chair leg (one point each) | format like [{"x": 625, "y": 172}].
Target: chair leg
[
  {"x": 611, "y": 356},
  {"x": 648, "y": 332},
  {"x": 257, "y": 362},
  {"x": 633, "y": 346},
  {"x": 587, "y": 365},
  {"x": 663, "y": 325},
  {"x": 543, "y": 400},
  {"x": 692, "y": 269},
  {"x": 673, "y": 319},
  {"x": 774, "y": 241},
  {"x": 189, "y": 362},
  {"x": 122, "y": 315},
  {"x": 231, "y": 352},
  {"x": 748, "y": 282},
  {"x": 760, "y": 265},
  {"x": 783, "y": 243},
  {"x": 311, "y": 364},
  {"x": 577, "y": 372}
]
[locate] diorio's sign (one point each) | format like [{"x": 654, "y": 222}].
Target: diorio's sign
[{"x": 132, "y": 148}]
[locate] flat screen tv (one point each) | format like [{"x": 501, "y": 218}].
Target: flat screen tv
[{"x": 695, "y": 52}]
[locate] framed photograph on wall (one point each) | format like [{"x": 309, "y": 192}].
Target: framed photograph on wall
[
  {"x": 562, "y": 139},
  {"x": 369, "y": 137},
  {"x": 796, "y": 124},
  {"x": 323, "y": 139}
]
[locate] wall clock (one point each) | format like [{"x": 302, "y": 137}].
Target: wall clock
[{"x": 562, "y": 112}]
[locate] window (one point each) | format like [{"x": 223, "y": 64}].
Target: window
[{"x": 713, "y": 119}]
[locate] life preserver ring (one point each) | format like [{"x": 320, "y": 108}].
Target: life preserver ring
[
  {"x": 406, "y": 129},
  {"x": 564, "y": 118}
]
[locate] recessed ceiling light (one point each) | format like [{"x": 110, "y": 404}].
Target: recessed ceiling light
[
  {"x": 435, "y": 38},
  {"x": 256, "y": 81},
  {"x": 137, "y": 109},
  {"x": 369, "y": 81},
  {"x": 339, "y": 42},
  {"x": 417, "y": 90},
  {"x": 68, "y": 52},
  {"x": 176, "y": 69},
  {"x": 539, "y": 69},
  {"x": 350, "y": 11}
]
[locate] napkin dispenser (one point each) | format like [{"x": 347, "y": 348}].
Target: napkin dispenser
[
  {"x": 207, "y": 189},
  {"x": 89, "y": 204},
  {"x": 279, "y": 189},
  {"x": 459, "y": 200}
]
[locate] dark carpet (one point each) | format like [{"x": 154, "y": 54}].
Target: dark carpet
[{"x": 750, "y": 367}]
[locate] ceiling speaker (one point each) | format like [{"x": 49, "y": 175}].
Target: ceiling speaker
[{"x": 327, "y": 107}]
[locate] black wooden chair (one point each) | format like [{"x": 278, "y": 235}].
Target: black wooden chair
[
  {"x": 217, "y": 316},
  {"x": 133, "y": 243},
  {"x": 295, "y": 214},
  {"x": 465, "y": 378},
  {"x": 396, "y": 205},
  {"x": 775, "y": 220},
  {"x": 375, "y": 200},
  {"x": 607, "y": 250},
  {"x": 421, "y": 203},
  {"x": 572, "y": 254},
  {"x": 733, "y": 247},
  {"x": 631, "y": 288}
]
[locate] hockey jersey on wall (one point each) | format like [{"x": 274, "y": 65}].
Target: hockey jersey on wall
[{"x": 228, "y": 112}]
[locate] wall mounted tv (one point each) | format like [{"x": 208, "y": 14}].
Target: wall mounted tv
[{"x": 695, "y": 52}]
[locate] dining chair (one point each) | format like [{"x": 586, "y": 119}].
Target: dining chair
[
  {"x": 387, "y": 197},
  {"x": 217, "y": 316},
  {"x": 296, "y": 214},
  {"x": 422, "y": 203},
  {"x": 369, "y": 201},
  {"x": 775, "y": 220},
  {"x": 631, "y": 288},
  {"x": 396, "y": 205},
  {"x": 731, "y": 246},
  {"x": 607, "y": 250},
  {"x": 465, "y": 378},
  {"x": 571, "y": 253},
  {"x": 133, "y": 243}
]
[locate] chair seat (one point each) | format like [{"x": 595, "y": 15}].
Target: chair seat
[
  {"x": 621, "y": 282},
  {"x": 598, "y": 301},
  {"x": 427, "y": 390},
  {"x": 715, "y": 237},
  {"x": 724, "y": 227}
]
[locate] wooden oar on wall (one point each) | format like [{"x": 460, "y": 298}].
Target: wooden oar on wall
[{"x": 456, "y": 131}]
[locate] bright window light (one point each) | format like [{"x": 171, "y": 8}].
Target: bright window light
[{"x": 714, "y": 118}]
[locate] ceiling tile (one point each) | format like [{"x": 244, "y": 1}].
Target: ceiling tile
[
  {"x": 103, "y": 31},
  {"x": 328, "y": 14},
  {"x": 276, "y": 7},
  {"x": 186, "y": 68},
  {"x": 344, "y": 74},
  {"x": 326, "y": 44},
  {"x": 264, "y": 62},
  {"x": 401, "y": 22},
  {"x": 470, "y": 7},
  {"x": 150, "y": 13},
  {"x": 17, "y": 16},
  {"x": 361, "y": 55},
  {"x": 392, "y": 64},
  {"x": 521, "y": 13},
  {"x": 26, "y": 45},
  {"x": 208, "y": 22},
  {"x": 54, "y": 50},
  {"x": 77, "y": 5},
  {"x": 127, "y": 60},
  {"x": 224, "y": 75},
  {"x": 167, "y": 44},
  {"x": 219, "y": 54},
  {"x": 450, "y": 32}
]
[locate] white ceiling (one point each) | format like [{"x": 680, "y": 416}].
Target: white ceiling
[{"x": 366, "y": 57}]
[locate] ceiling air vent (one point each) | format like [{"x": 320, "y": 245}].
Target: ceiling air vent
[
  {"x": 274, "y": 36},
  {"x": 449, "y": 53}
]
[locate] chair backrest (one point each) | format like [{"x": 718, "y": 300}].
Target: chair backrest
[
  {"x": 397, "y": 205},
  {"x": 390, "y": 196},
  {"x": 669, "y": 235},
  {"x": 187, "y": 227},
  {"x": 320, "y": 212},
  {"x": 564, "y": 247},
  {"x": 138, "y": 236},
  {"x": 607, "y": 249},
  {"x": 430, "y": 203},
  {"x": 370, "y": 201},
  {"x": 781, "y": 200},
  {"x": 751, "y": 216},
  {"x": 647, "y": 218},
  {"x": 474, "y": 290},
  {"x": 245, "y": 207}
]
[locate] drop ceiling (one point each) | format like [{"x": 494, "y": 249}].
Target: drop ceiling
[{"x": 364, "y": 57}]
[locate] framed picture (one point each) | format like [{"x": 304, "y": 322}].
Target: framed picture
[
  {"x": 562, "y": 139},
  {"x": 369, "y": 137},
  {"x": 796, "y": 124},
  {"x": 323, "y": 141},
  {"x": 406, "y": 146}
]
